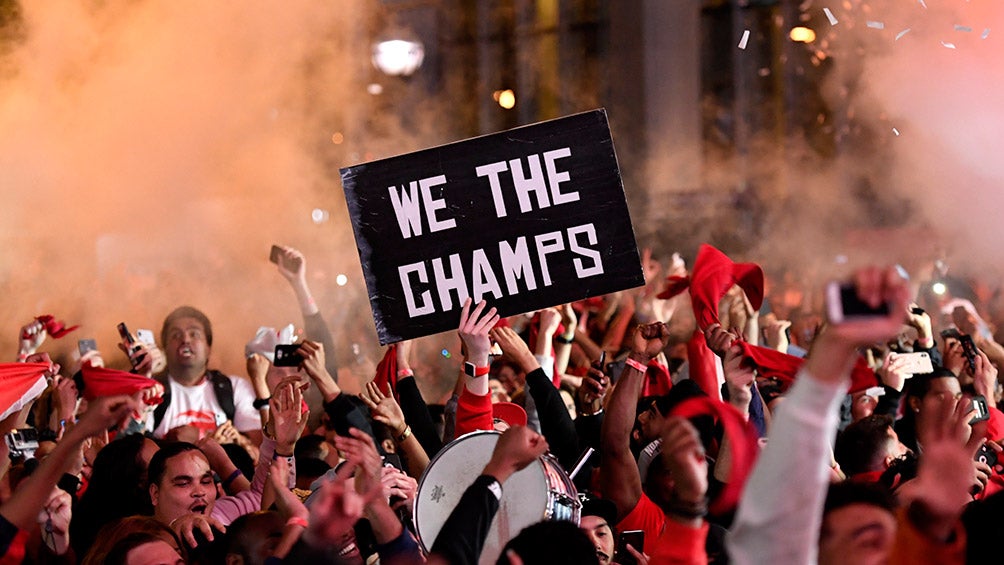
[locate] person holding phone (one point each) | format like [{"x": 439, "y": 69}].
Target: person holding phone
[{"x": 195, "y": 394}]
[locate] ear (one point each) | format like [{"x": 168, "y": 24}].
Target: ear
[
  {"x": 914, "y": 403},
  {"x": 234, "y": 559},
  {"x": 889, "y": 458},
  {"x": 154, "y": 492}
]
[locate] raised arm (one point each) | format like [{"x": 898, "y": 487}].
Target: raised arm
[
  {"x": 292, "y": 265},
  {"x": 619, "y": 478},
  {"x": 474, "y": 407},
  {"x": 385, "y": 409},
  {"x": 555, "y": 422},
  {"x": 780, "y": 512}
]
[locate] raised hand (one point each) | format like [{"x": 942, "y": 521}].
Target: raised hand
[
  {"x": 286, "y": 417},
  {"x": 31, "y": 337},
  {"x": 384, "y": 409},
  {"x": 473, "y": 330},
  {"x": 649, "y": 340},
  {"x": 517, "y": 447},
  {"x": 739, "y": 378},
  {"x": 514, "y": 348}
]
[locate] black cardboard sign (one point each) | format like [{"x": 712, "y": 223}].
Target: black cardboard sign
[{"x": 526, "y": 219}]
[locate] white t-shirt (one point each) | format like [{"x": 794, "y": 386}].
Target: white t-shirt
[{"x": 197, "y": 406}]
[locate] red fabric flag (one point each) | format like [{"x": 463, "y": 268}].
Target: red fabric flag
[
  {"x": 20, "y": 384},
  {"x": 742, "y": 439},
  {"x": 386, "y": 372},
  {"x": 772, "y": 363},
  {"x": 99, "y": 382},
  {"x": 55, "y": 328}
]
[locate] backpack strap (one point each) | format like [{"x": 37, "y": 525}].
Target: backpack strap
[
  {"x": 161, "y": 409},
  {"x": 224, "y": 390}
]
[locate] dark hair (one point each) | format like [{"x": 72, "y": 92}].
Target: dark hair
[
  {"x": 158, "y": 463},
  {"x": 120, "y": 537},
  {"x": 241, "y": 531},
  {"x": 551, "y": 543},
  {"x": 118, "y": 488},
  {"x": 186, "y": 312},
  {"x": 308, "y": 447},
  {"x": 847, "y": 493},
  {"x": 902, "y": 470},
  {"x": 919, "y": 385},
  {"x": 860, "y": 446},
  {"x": 240, "y": 458}
]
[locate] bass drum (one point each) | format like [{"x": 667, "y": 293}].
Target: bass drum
[{"x": 541, "y": 491}]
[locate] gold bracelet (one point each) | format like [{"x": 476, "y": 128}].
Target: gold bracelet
[{"x": 404, "y": 435}]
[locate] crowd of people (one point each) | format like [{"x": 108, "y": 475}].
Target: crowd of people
[{"x": 698, "y": 419}]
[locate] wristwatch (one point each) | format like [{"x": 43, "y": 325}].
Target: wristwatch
[{"x": 472, "y": 370}]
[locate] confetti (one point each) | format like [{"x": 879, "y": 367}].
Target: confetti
[
  {"x": 902, "y": 33},
  {"x": 948, "y": 45},
  {"x": 896, "y": 131},
  {"x": 966, "y": 29},
  {"x": 831, "y": 17},
  {"x": 745, "y": 38},
  {"x": 922, "y": 3},
  {"x": 875, "y": 25},
  {"x": 986, "y": 33}
]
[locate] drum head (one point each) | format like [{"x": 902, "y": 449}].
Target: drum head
[{"x": 524, "y": 495}]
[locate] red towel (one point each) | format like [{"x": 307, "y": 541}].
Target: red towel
[
  {"x": 99, "y": 382},
  {"x": 55, "y": 328},
  {"x": 20, "y": 384}
]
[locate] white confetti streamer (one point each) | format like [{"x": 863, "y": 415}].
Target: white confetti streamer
[
  {"x": 986, "y": 33},
  {"x": 966, "y": 29},
  {"x": 875, "y": 25},
  {"x": 922, "y": 3},
  {"x": 948, "y": 45},
  {"x": 830, "y": 16},
  {"x": 902, "y": 33},
  {"x": 896, "y": 131},
  {"x": 745, "y": 38}
]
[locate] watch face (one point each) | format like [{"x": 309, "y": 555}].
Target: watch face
[{"x": 469, "y": 369}]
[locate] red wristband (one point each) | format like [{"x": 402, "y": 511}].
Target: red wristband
[
  {"x": 297, "y": 521},
  {"x": 636, "y": 365}
]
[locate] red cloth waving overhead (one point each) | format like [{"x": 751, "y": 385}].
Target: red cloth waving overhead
[
  {"x": 713, "y": 275},
  {"x": 99, "y": 382},
  {"x": 386, "y": 372},
  {"x": 773, "y": 363},
  {"x": 20, "y": 384},
  {"x": 55, "y": 328}
]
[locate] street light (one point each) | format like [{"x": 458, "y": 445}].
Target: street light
[{"x": 398, "y": 57}]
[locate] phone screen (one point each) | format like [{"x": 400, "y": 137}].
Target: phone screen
[
  {"x": 637, "y": 540},
  {"x": 87, "y": 345},
  {"x": 286, "y": 355}
]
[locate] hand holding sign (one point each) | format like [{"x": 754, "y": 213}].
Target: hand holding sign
[
  {"x": 527, "y": 219},
  {"x": 474, "y": 330}
]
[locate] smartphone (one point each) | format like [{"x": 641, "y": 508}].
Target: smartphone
[
  {"x": 987, "y": 455},
  {"x": 287, "y": 355},
  {"x": 275, "y": 254},
  {"x": 637, "y": 540},
  {"x": 85, "y": 346},
  {"x": 125, "y": 334},
  {"x": 146, "y": 336},
  {"x": 982, "y": 412},
  {"x": 843, "y": 304},
  {"x": 916, "y": 363},
  {"x": 22, "y": 442},
  {"x": 131, "y": 344},
  {"x": 600, "y": 365},
  {"x": 969, "y": 351}
]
